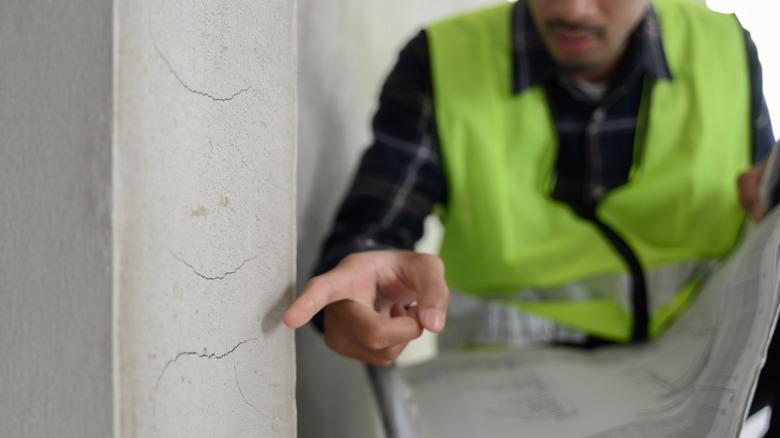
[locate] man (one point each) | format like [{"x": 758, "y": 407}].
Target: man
[{"x": 584, "y": 156}]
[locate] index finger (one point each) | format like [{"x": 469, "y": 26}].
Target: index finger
[{"x": 319, "y": 292}]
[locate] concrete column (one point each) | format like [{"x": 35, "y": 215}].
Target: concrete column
[{"x": 204, "y": 217}]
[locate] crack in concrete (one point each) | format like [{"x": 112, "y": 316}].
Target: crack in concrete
[
  {"x": 200, "y": 356},
  {"x": 209, "y": 278},
  {"x": 240, "y": 391},
  {"x": 192, "y": 90}
]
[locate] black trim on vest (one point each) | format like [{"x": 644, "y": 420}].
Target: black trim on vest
[{"x": 639, "y": 302}]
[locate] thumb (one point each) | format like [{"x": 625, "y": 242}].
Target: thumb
[
  {"x": 748, "y": 183},
  {"x": 426, "y": 273}
]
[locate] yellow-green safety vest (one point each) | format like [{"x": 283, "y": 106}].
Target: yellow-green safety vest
[{"x": 506, "y": 237}]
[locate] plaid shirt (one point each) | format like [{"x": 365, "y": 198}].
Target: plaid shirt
[{"x": 400, "y": 178}]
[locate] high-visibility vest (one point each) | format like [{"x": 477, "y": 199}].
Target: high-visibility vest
[{"x": 506, "y": 238}]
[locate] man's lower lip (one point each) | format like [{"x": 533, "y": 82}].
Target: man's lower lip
[{"x": 573, "y": 43}]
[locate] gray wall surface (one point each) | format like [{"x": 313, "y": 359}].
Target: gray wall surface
[
  {"x": 55, "y": 230},
  {"x": 205, "y": 217},
  {"x": 345, "y": 48}
]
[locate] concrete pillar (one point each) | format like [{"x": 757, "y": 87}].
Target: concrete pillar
[
  {"x": 147, "y": 218},
  {"x": 205, "y": 222}
]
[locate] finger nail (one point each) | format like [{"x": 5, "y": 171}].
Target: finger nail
[{"x": 433, "y": 319}]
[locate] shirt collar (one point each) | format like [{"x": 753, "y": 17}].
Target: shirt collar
[{"x": 532, "y": 65}]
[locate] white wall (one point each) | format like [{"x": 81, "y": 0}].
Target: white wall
[
  {"x": 346, "y": 48},
  {"x": 205, "y": 217},
  {"x": 55, "y": 230},
  {"x": 760, "y": 18}
]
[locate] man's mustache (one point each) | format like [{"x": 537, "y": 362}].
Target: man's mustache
[{"x": 568, "y": 26}]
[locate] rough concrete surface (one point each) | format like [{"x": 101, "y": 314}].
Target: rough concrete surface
[
  {"x": 205, "y": 159},
  {"x": 55, "y": 229}
]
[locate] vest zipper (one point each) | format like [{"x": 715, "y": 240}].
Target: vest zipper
[
  {"x": 639, "y": 302},
  {"x": 596, "y": 191}
]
